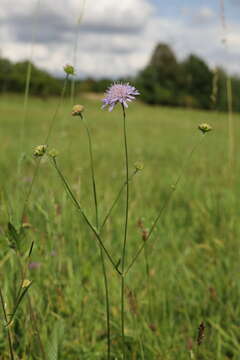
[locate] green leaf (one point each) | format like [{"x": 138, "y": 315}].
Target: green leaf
[
  {"x": 19, "y": 300},
  {"x": 13, "y": 236}
]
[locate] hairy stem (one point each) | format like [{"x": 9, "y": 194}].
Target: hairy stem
[{"x": 125, "y": 234}]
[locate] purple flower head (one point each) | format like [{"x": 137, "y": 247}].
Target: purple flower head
[{"x": 121, "y": 93}]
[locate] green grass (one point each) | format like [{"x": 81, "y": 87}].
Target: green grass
[{"x": 193, "y": 254}]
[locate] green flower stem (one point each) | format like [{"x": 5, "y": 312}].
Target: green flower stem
[
  {"x": 149, "y": 292},
  {"x": 125, "y": 235},
  {"x": 28, "y": 78},
  {"x": 165, "y": 204},
  {"x": 116, "y": 200},
  {"x": 25, "y": 204},
  {"x": 85, "y": 217},
  {"x": 75, "y": 48},
  {"x": 57, "y": 109},
  {"x": 100, "y": 248},
  {"x": 92, "y": 169},
  {"x": 8, "y": 330}
]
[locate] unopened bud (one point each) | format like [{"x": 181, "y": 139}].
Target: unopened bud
[
  {"x": 204, "y": 128},
  {"x": 26, "y": 283},
  {"x": 53, "y": 153},
  {"x": 139, "y": 165},
  {"x": 77, "y": 110},
  {"x": 69, "y": 69},
  {"x": 40, "y": 150},
  {"x": 145, "y": 234}
]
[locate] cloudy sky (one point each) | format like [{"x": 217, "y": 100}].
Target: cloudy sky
[{"x": 117, "y": 37}]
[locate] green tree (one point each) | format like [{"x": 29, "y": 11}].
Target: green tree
[
  {"x": 198, "y": 80},
  {"x": 158, "y": 82}
]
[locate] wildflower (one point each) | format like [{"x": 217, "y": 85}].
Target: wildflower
[
  {"x": 204, "y": 128},
  {"x": 121, "y": 93},
  {"x": 69, "y": 69},
  {"x": 39, "y": 150},
  {"x": 77, "y": 110}
]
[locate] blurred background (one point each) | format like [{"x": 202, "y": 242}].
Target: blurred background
[
  {"x": 183, "y": 57},
  {"x": 158, "y": 45}
]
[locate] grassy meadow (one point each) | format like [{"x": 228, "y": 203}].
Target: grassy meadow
[{"x": 189, "y": 271}]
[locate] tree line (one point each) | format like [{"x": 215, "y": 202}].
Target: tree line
[
  {"x": 164, "y": 81},
  {"x": 189, "y": 83}
]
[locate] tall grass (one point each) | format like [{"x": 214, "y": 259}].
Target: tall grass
[
  {"x": 157, "y": 317},
  {"x": 192, "y": 266}
]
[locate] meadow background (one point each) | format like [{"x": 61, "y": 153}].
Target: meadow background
[{"x": 189, "y": 271}]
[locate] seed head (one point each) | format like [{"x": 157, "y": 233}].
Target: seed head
[
  {"x": 40, "y": 150},
  {"x": 201, "y": 333},
  {"x": 77, "y": 110},
  {"x": 204, "y": 128},
  {"x": 69, "y": 69}
]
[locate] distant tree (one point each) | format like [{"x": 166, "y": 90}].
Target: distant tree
[
  {"x": 198, "y": 80},
  {"x": 159, "y": 81},
  {"x": 13, "y": 79},
  {"x": 5, "y": 74}
]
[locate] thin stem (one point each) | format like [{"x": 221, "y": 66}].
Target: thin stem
[
  {"x": 116, "y": 200},
  {"x": 28, "y": 75},
  {"x": 25, "y": 204},
  {"x": 149, "y": 293},
  {"x": 165, "y": 204},
  {"x": 57, "y": 109},
  {"x": 125, "y": 232},
  {"x": 230, "y": 122},
  {"x": 107, "y": 304},
  {"x": 91, "y": 226},
  {"x": 92, "y": 169},
  {"x": 75, "y": 48},
  {"x": 100, "y": 248},
  {"x": 122, "y": 316},
  {"x": 8, "y": 330},
  {"x": 229, "y": 91}
]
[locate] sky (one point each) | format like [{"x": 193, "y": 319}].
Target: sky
[{"x": 113, "y": 38}]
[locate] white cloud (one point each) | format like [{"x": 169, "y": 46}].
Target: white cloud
[{"x": 116, "y": 38}]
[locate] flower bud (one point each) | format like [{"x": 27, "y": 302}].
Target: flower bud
[
  {"x": 77, "y": 110},
  {"x": 26, "y": 283},
  {"x": 53, "y": 153},
  {"x": 204, "y": 128},
  {"x": 69, "y": 69},
  {"x": 139, "y": 165},
  {"x": 40, "y": 150}
]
